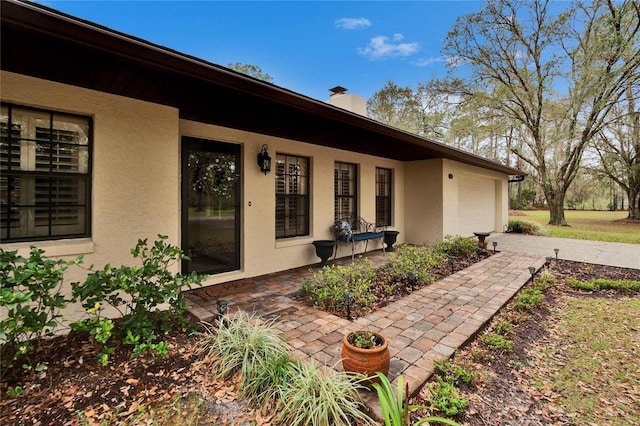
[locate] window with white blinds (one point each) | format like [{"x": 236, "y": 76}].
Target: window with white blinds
[
  {"x": 45, "y": 160},
  {"x": 345, "y": 187},
  {"x": 383, "y": 196},
  {"x": 292, "y": 196}
]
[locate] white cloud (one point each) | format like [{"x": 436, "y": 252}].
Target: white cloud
[
  {"x": 381, "y": 47},
  {"x": 352, "y": 23},
  {"x": 423, "y": 62}
]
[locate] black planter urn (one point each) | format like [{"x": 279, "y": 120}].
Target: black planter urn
[
  {"x": 390, "y": 239},
  {"x": 324, "y": 250}
]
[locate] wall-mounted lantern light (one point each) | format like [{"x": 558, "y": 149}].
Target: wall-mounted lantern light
[
  {"x": 348, "y": 301},
  {"x": 264, "y": 161}
]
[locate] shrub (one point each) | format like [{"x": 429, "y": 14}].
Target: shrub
[
  {"x": 30, "y": 290},
  {"x": 140, "y": 294},
  {"x": 524, "y": 227},
  {"x": 395, "y": 406},
  {"x": 496, "y": 342},
  {"x": 302, "y": 394},
  {"x": 250, "y": 346},
  {"x": 502, "y": 327},
  {"x": 446, "y": 398},
  {"x": 599, "y": 283},
  {"x": 457, "y": 246},
  {"x": 528, "y": 299},
  {"x": 453, "y": 373},
  {"x": 545, "y": 280},
  {"x": 419, "y": 259},
  {"x": 315, "y": 398},
  {"x": 329, "y": 285}
]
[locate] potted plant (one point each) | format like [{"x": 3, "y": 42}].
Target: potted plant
[{"x": 365, "y": 352}]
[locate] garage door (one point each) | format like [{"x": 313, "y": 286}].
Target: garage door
[{"x": 476, "y": 205}]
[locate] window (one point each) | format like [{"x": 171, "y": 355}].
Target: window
[
  {"x": 383, "y": 197},
  {"x": 45, "y": 162},
  {"x": 292, "y": 196},
  {"x": 346, "y": 191}
]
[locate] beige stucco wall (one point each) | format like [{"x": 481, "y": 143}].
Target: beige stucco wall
[
  {"x": 451, "y": 200},
  {"x": 136, "y": 184},
  {"x": 261, "y": 252},
  {"x": 432, "y": 202},
  {"x": 135, "y": 191}
]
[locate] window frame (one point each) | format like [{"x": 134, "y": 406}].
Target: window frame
[
  {"x": 386, "y": 198},
  {"x": 290, "y": 195},
  {"x": 351, "y": 182},
  {"x": 49, "y": 182}
]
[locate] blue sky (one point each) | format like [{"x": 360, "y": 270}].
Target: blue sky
[{"x": 305, "y": 46}]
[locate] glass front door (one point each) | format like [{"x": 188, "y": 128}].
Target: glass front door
[{"x": 210, "y": 206}]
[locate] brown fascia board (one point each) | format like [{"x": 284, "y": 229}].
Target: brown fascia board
[{"x": 36, "y": 17}]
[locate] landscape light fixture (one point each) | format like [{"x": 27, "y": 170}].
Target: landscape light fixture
[
  {"x": 264, "y": 161},
  {"x": 413, "y": 279},
  {"x": 348, "y": 301},
  {"x": 495, "y": 244},
  {"x": 548, "y": 260},
  {"x": 532, "y": 270},
  {"x": 556, "y": 250},
  {"x": 451, "y": 262},
  {"x": 222, "y": 307}
]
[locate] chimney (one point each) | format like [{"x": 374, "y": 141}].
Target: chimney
[{"x": 348, "y": 101}]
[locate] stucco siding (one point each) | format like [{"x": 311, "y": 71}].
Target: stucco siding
[
  {"x": 135, "y": 174},
  {"x": 261, "y": 252}
]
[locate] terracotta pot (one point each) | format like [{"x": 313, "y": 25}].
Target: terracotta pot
[{"x": 365, "y": 361}]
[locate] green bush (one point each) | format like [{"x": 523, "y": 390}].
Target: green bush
[
  {"x": 603, "y": 284},
  {"x": 395, "y": 405},
  {"x": 545, "y": 280},
  {"x": 329, "y": 285},
  {"x": 313, "y": 397},
  {"x": 445, "y": 398},
  {"x": 524, "y": 227},
  {"x": 457, "y": 246},
  {"x": 250, "y": 346},
  {"x": 30, "y": 290},
  {"x": 496, "y": 342},
  {"x": 149, "y": 298},
  {"x": 419, "y": 259},
  {"x": 528, "y": 299},
  {"x": 453, "y": 373},
  {"x": 300, "y": 391}
]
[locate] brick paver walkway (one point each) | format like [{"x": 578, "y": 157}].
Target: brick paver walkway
[{"x": 427, "y": 325}]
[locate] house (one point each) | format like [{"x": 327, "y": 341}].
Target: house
[{"x": 107, "y": 138}]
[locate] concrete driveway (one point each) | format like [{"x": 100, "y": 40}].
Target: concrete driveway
[{"x": 601, "y": 253}]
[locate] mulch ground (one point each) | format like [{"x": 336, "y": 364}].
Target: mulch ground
[
  {"x": 124, "y": 391},
  {"x": 507, "y": 392}
]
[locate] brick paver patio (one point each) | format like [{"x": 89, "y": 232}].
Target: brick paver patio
[{"x": 427, "y": 325}]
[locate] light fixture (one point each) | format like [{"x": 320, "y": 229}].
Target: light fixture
[
  {"x": 264, "y": 161},
  {"x": 222, "y": 307},
  {"x": 495, "y": 244},
  {"x": 348, "y": 301},
  {"x": 556, "y": 250},
  {"x": 413, "y": 279},
  {"x": 451, "y": 262},
  {"x": 532, "y": 270},
  {"x": 548, "y": 260}
]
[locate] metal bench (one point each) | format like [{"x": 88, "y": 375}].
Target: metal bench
[{"x": 351, "y": 231}]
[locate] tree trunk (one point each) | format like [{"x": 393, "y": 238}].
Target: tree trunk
[
  {"x": 555, "y": 200},
  {"x": 634, "y": 203}
]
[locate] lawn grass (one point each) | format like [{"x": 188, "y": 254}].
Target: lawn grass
[
  {"x": 587, "y": 225},
  {"x": 597, "y": 373}
]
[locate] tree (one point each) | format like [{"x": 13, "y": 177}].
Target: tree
[
  {"x": 561, "y": 73},
  {"x": 252, "y": 71},
  {"x": 618, "y": 148},
  {"x": 396, "y": 106}
]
